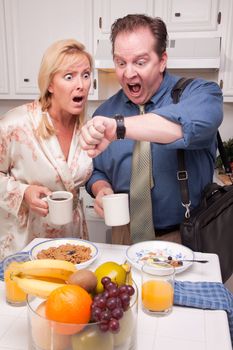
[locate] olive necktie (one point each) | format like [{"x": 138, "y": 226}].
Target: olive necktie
[{"x": 141, "y": 219}]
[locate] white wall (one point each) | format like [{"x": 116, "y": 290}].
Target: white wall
[{"x": 226, "y": 128}]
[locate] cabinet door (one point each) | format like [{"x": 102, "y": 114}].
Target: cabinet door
[
  {"x": 34, "y": 25},
  {"x": 107, "y": 11},
  {"x": 190, "y": 15},
  {"x": 226, "y": 69},
  {"x": 4, "y": 79}
]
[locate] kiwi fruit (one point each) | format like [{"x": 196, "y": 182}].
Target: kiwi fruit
[{"x": 83, "y": 278}]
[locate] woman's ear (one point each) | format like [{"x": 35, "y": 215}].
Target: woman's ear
[{"x": 50, "y": 88}]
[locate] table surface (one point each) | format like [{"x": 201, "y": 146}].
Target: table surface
[{"x": 185, "y": 328}]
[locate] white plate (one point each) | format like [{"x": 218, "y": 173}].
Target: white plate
[
  {"x": 139, "y": 251},
  {"x": 59, "y": 241}
]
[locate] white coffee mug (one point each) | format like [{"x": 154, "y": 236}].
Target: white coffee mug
[
  {"x": 60, "y": 207},
  {"x": 116, "y": 209}
]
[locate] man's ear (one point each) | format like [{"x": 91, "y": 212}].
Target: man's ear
[{"x": 163, "y": 62}]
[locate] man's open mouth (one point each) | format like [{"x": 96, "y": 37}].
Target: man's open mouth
[{"x": 134, "y": 88}]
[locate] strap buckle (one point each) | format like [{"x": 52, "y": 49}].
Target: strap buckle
[{"x": 182, "y": 175}]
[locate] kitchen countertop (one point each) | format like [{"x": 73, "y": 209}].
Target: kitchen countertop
[{"x": 184, "y": 328}]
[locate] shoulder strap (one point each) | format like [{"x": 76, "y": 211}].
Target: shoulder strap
[
  {"x": 182, "y": 174},
  {"x": 179, "y": 87}
]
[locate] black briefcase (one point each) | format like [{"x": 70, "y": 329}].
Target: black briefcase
[{"x": 209, "y": 228}]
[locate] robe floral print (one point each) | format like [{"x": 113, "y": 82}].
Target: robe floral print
[{"x": 27, "y": 159}]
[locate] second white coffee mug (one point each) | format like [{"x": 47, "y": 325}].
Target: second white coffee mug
[
  {"x": 60, "y": 207},
  {"x": 116, "y": 209}
]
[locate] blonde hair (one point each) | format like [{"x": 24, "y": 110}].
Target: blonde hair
[{"x": 52, "y": 61}]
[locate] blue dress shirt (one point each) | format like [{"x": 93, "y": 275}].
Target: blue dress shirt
[{"x": 200, "y": 114}]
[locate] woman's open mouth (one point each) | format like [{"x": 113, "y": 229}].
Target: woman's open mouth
[{"x": 78, "y": 99}]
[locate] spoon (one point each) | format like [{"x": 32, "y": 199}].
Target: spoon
[
  {"x": 195, "y": 260},
  {"x": 181, "y": 260}
]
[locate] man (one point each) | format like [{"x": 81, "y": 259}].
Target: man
[{"x": 139, "y": 53}]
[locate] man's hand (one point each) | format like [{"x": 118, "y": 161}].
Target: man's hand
[
  {"x": 97, "y": 134},
  {"x": 32, "y": 197},
  {"x": 98, "y": 202}
]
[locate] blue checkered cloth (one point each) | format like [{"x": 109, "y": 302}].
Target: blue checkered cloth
[
  {"x": 19, "y": 257},
  {"x": 205, "y": 295}
]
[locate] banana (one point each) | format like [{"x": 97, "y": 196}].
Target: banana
[
  {"x": 39, "y": 288},
  {"x": 59, "y": 269},
  {"x": 127, "y": 268}
]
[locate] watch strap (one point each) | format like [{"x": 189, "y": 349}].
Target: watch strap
[{"x": 120, "y": 130}]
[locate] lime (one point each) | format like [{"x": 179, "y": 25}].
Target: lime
[{"x": 112, "y": 270}]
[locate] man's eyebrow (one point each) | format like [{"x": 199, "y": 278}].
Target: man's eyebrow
[{"x": 142, "y": 55}]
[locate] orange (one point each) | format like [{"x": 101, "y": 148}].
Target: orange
[{"x": 70, "y": 304}]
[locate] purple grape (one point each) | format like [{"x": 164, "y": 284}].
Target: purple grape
[
  {"x": 96, "y": 297},
  {"x": 118, "y": 302},
  {"x": 114, "y": 326},
  {"x": 111, "y": 303},
  {"x": 125, "y": 306},
  {"x": 106, "y": 294},
  {"x": 93, "y": 305},
  {"x": 130, "y": 290},
  {"x": 104, "y": 326},
  {"x": 101, "y": 303},
  {"x": 125, "y": 298},
  {"x": 106, "y": 315},
  {"x": 105, "y": 280},
  {"x": 96, "y": 314},
  {"x": 117, "y": 313},
  {"x": 113, "y": 292},
  {"x": 123, "y": 289},
  {"x": 110, "y": 285}
]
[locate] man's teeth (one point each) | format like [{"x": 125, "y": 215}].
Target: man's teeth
[{"x": 135, "y": 87}]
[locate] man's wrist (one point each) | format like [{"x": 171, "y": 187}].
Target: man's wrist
[{"x": 120, "y": 127}]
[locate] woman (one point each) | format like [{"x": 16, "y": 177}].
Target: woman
[{"x": 39, "y": 150}]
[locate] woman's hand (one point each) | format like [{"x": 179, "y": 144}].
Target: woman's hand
[
  {"x": 98, "y": 202},
  {"x": 97, "y": 134},
  {"x": 33, "y": 198}
]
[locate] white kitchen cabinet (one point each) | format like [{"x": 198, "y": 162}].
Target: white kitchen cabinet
[
  {"x": 226, "y": 70},
  {"x": 4, "y": 79},
  {"x": 32, "y": 26},
  {"x": 189, "y": 15},
  {"x": 107, "y": 11}
]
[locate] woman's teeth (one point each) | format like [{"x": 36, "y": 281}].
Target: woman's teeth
[{"x": 77, "y": 99}]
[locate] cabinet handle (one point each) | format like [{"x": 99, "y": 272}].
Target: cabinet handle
[
  {"x": 100, "y": 22},
  {"x": 177, "y": 14},
  {"x": 26, "y": 80},
  {"x": 94, "y": 84}
]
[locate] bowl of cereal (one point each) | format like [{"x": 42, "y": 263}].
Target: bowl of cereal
[{"x": 80, "y": 252}]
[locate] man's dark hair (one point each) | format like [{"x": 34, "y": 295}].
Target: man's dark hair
[{"x": 132, "y": 22}]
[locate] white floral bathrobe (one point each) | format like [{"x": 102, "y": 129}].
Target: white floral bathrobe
[{"x": 26, "y": 159}]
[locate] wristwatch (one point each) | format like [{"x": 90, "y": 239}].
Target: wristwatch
[{"x": 120, "y": 130}]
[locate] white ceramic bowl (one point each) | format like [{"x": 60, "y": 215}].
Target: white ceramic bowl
[{"x": 56, "y": 242}]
